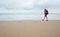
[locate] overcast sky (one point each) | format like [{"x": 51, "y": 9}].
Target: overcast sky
[{"x": 11, "y": 5}]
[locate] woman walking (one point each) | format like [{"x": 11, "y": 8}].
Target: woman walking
[{"x": 45, "y": 15}]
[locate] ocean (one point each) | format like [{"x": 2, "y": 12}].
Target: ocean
[{"x": 27, "y": 16}]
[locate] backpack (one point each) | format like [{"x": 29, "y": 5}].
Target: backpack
[{"x": 46, "y": 12}]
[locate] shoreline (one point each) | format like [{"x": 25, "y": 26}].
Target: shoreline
[{"x": 30, "y": 20}]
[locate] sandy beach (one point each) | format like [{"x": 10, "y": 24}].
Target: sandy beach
[{"x": 30, "y": 28}]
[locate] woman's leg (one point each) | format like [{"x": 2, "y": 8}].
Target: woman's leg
[
  {"x": 43, "y": 18},
  {"x": 46, "y": 18}
]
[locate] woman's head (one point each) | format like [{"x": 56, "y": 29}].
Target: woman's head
[{"x": 44, "y": 9}]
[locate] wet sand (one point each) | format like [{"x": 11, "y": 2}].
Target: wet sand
[{"x": 30, "y": 28}]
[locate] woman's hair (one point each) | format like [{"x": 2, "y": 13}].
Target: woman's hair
[{"x": 44, "y": 9}]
